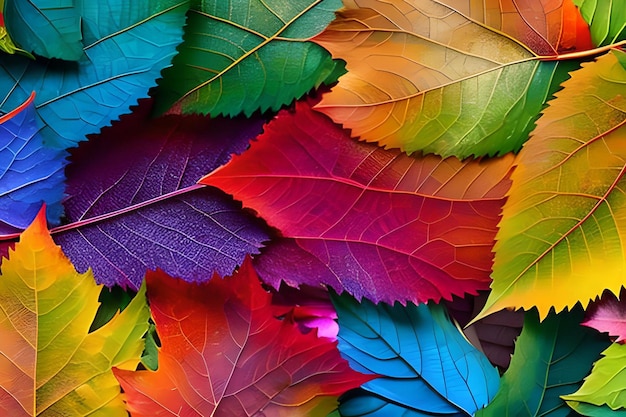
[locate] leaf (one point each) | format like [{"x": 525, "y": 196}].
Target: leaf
[
  {"x": 30, "y": 172},
  {"x": 606, "y": 19},
  {"x": 6, "y": 43},
  {"x": 430, "y": 76},
  {"x": 249, "y": 57},
  {"x": 133, "y": 204},
  {"x": 608, "y": 315},
  {"x": 586, "y": 409},
  {"x": 225, "y": 354},
  {"x": 375, "y": 223},
  {"x": 551, "y": 359},
  {"x": 559, "y": 228},
  {"x": 50, "y": 364},
  {"x": 606, "y": 385},
  {"x": 426, "y": 364},
  {"x": 127, "y": 44},
  {"x": 49, "y": 28}
]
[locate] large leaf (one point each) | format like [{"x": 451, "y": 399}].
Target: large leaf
[
  {"x": 564, "y": 218},
  {"x": 50, "y": 364},
  {"x": 49, "y": 28},
  {"x": 430, "y": 75},
  {"x": 551, "y": 359},
  {"x": 378, "y": 224},
  {"x": 133, "y": 203},
  {"x": 249, "y": 56},
  {"x": 224, "y": 353},
  {"x": 606, "y": 385},
  {"x": 30, "y": 173},
  {"x": 607, "y": 20},
  {"x": 127, "y": 44},
  {"x": 426, "y": 364}
]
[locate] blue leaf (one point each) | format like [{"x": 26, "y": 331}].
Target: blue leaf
[
  {"x": 127, "y": 44},
  {"x": 49, "y": 28},
  {"x": 30, "y": 173},
  {"x": 426, "y": 364}
]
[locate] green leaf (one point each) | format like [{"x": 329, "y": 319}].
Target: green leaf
[
  {"x": 606, "y": 385},
  {"x": 551, "y": 359},
  {"x": 606, "y": 19},
  {"x": 591, "y": 410},
  {"x": 249, "y": 57},
  {"x": 49, "y": 28},
  {"x": 128, "y": 43}
]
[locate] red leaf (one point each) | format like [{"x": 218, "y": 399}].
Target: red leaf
[
  {"x": 376, "y": 223},
  {"x": 608, "y": 316},
  {"x": 225, "y": 354}
]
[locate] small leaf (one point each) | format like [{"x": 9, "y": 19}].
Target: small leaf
[
  {"x": 551, "y": 359},
  {"x": 560, "y": 227},
  {"x": 608, "y": 315},
  {"x": 430, "y": 76},
  {"x": 50, "y": 364},
  {"x": 254, "y": 56},
  {"x": 30, "y": 173},
  {"x": 425, "y": 364},
  {"x": 606, "y": 19},
  {"x": 48, "y": 28},
  {"x": 378, "y": 224},
  {"x": 606, "y": 385},
  {"x": 127, "y": 44},
  {"x": 133, "y": 204},
  {"x": 225, "y": 354}
]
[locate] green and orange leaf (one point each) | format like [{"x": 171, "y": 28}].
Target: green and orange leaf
[{"x": 50, "y": 364}]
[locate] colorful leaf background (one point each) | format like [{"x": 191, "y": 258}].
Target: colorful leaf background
[{"x": 312, "y": 208}]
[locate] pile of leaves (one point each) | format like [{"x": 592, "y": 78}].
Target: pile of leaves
[{"x": 312, "y": 207}]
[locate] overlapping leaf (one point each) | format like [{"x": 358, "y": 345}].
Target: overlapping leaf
[
  {"x": 606, "y": 386},
  {"x": 30, "y": 173},
  {"x": 49, "y": 28},
  {"x": 50, "y": 364},
  {"x": 551, "y": 359},
  {"x": 239, "y": 57},
  {"x": 378, "y": 224},
  {"x": 6, "y": 43},
  {"x": 127, "y": 44},
  {"x": 224, "y": 353},
  {"x": 133, "y": 203},
  {"x": 608, "y": 315},
  {"x": 564, "y": 218},
  {"x": 426, "y": 364},
  {"x": 606, "y": 19},
  {"x": 433, "y": 76}
]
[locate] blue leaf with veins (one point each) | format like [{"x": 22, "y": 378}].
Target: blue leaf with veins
[{"x": 426, "y": 365}]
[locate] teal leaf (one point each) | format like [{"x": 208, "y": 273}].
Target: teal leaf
[
  {"x": 48, "y": 28},
  {"x": 249, "y": 57},
  {"x": 30, "y": 173},
  {"x": 425, "y": 363},
  {"x": 127, "y": 44},
  {"x": 551, "y": 359}
]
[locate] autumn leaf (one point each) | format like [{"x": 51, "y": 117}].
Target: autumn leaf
[
  {"x": 126, "y": 45},
  {"x": 249, "y": 57},
  {"x": 426, "y": 366},
  {"x": 224, "y": 353},
  {"x": 50, "y": 364},
  {"x": 378, "y": 224},
  {"x": 30, "y": 172},
  {"x": 442, "y": 77},
  {"x": 608, "y": 315},
  {"x": 133, "y": 203},
  {"x": 605, "y": 386},
  {"x": 563, "y": 220},
  {"x": 551, "y": 359}
]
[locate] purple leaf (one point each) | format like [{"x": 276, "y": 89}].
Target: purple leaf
[{"x": 134, "y": 204}]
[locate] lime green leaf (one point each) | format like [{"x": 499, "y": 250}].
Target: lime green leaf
[
  {"x": 51, "y": 365},
  {"x": 606, "y": 19},
  {"x": 551, "y": 359},
  {"x": 565, "y": 216},
  {"x": 606, "y": 385},
  {"x": 591, "y": 410},
  {"x": 249, "y": 57}
]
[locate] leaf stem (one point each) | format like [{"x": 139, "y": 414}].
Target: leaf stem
[{"x": 582, "y": 54}]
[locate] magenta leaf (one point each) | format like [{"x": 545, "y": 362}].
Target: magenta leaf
[
  {"x": 608, "y": 315},
  {"x": 133, "y": 203}
]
